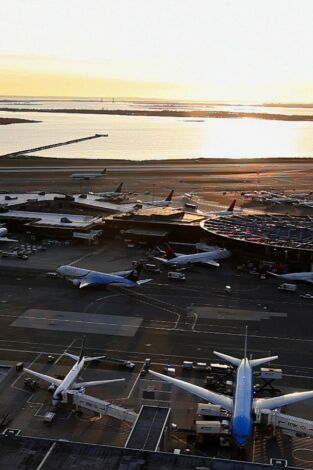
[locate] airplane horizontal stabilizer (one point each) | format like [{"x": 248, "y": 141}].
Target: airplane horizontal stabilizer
[
  {"x": 72, "y": 356},
  {"x": 278, "y": 402},
  {"x": 211, "y": 263},
  {"x": 273, "y": 274},
  {"x": 96, "y": 358},
  {"x": 262, "y": 360},
  {"x": 216, "y": 398},
  {"x": 143, "y": 281},
  {"x": 95, "y": 383},
  {"x": 162, "y": 260},
  {"x": 46, "y": 378},
  {"x": 233, "y": 360}
]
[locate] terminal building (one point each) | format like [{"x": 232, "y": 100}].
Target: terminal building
[{"x": 273, "y": 236}]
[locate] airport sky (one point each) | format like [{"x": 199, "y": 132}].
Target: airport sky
[{"x": 243, "y": 50}]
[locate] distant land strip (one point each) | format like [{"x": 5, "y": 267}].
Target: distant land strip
[
  {"x": 5, "y": 121},
  {"x": 166, "y": 113}
]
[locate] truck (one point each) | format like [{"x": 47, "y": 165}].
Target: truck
[
  {"x": 176, "y": 275},
  {"x": 288, "y": 287},
  {"x": 49, "y": 417}
]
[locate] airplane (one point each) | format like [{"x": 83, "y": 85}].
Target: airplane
[
  {"x": 69, "y": 382},
  {"x": 305, "y": 277},
  {"x": 162, "y": 203},
  {"x": 228, "y": 211},
  {"x": 3, "y": 233},
  {"x": 112, "y": 194},
  {"x": 85, "y": 277},
  {"x": 207, "y": 257},
  {"x": 242, "y": 405},
  {"x": 89, "y": 174}
]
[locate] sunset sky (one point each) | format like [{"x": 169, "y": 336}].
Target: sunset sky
[{"x": 243, "y": 50}]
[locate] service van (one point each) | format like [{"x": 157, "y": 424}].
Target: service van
[
  {"x": 288, "y": 287},
  {"x": 176, "y": 275}
]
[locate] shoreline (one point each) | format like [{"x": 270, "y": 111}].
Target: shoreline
[
  {"x": 4, "y": 121},
  {"x": 32, "y": 160},
  {"x": 166, "y": 113}
]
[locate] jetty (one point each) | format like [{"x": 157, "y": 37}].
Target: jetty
[{"x": 58, "y": 144}]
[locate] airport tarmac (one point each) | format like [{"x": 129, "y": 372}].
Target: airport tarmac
[{"x": 167, "y": 321}]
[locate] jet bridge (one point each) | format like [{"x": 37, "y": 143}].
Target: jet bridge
[
  {"x": 290, "y": 425},
  {"x": 101, "y": 407}
]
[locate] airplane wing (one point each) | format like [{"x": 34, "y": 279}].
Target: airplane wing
[
  {"x": 46, "y": 378},
  {"x": 95, "y": 383},
  {"x": 122, "y": 273},
  {"x": 211, "y": 263},
  {"x": 85, "y": 284},
  {"x": 216, "y": 398},
  {"x": 278, "y": 402},
  {"x": 5, "y": 239}
]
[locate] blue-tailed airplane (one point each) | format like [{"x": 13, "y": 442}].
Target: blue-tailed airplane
[
  {"x": 80, "y": 277},
  {"x": 242, "y": 405}
]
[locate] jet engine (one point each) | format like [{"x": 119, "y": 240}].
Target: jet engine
[{"x": 76, "y": 282}]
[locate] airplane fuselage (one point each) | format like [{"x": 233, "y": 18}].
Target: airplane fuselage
[
  {"x": 305, "y": 276},
  {"x": 79, "y": 275},
  {"x": 242, "y": 420},
  {"x": 3, "y": 231},
  {"x": 199, "y": 257},
  {"x": 68, "y": 381}
]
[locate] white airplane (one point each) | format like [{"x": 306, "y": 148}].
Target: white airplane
[
  {"x": 89, "y": 175},
  {"x": 242, "y": 405},
  {"x": 207, "y": 257},
  {"x": 70, "y": 380},
  {"x": 281, "y": 200},
  {"x": 163, "y": 203},
  {"x": 305, "y": 277},
  {"x": 3, "y": 233},
  {"x": 112, "y": 194},
  {"x": 85, "y": 277},
  {"x": 228, "y": 211}
]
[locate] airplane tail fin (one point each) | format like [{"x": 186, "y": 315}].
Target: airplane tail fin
[
  {"x": 170, "y": 253},
  {"x": 82, "y": 349},
  {"x": 232, "y": 206},
  {"x": 135, "y": 273},
  {"x": 169, "y": 197},
  {"x": 119, "y": 188},
  {"x": 262, "y": 360},
  {"x": 104, "y": 171},
  {"x": 233, "y": 360}
]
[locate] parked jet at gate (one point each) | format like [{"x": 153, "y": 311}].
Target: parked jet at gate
[
  {"x": 207, "y": 257},
  {"x": 242, "y": 404},
  {"x": 3, "y": 233},
  {"x": 228, "y": 211},
  {"x": 304, "y": 277},
  {"x": 69, "y": 382},
  {"x": 85, "y": 277},
  {"x": 163, "y": 203},
  {"x": 112, "y": 194}
]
